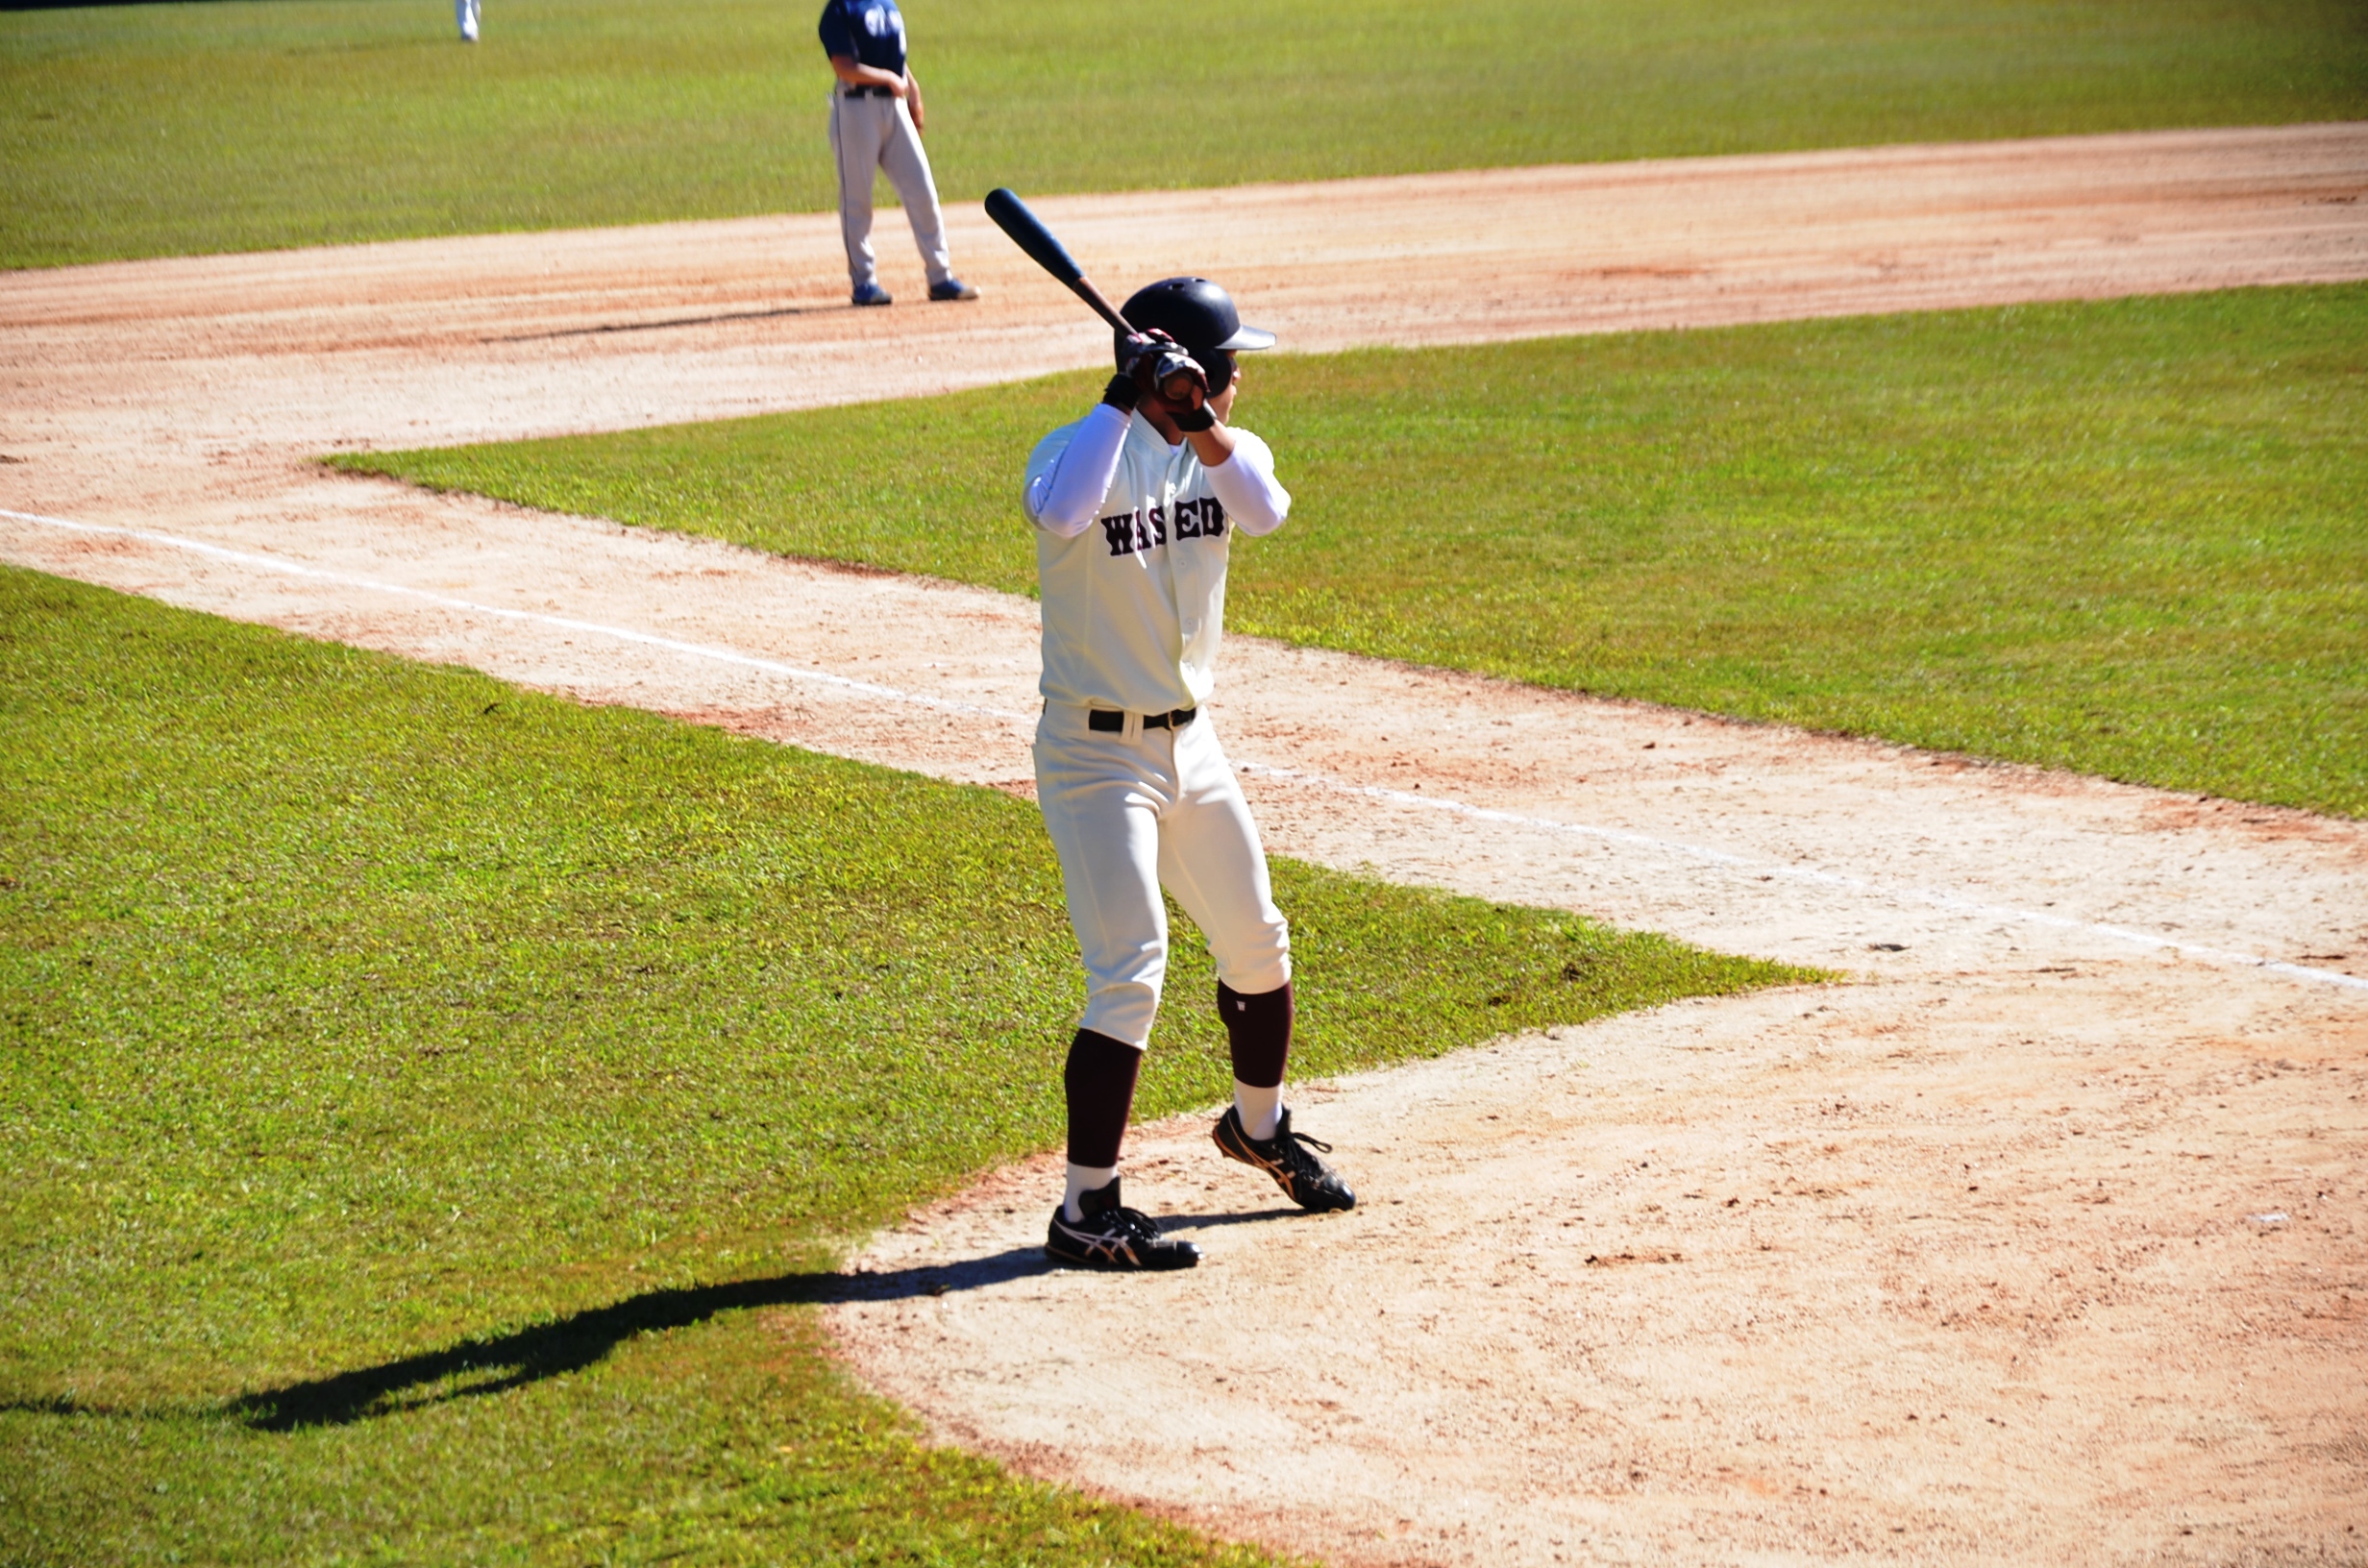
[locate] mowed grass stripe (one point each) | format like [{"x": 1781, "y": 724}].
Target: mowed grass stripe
[
  {"x": 359, "y": 1011},
  {"x": 235, "y": 125},
  {"x": 2127, "y": 538}
]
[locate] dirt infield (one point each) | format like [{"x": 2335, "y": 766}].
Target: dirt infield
[{"x": 2042, "y": 1240}]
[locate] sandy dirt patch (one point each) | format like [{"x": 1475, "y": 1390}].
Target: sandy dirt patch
[
  {"x": 2015, "y": 1180},
  {"x": 229, "y": 365},
  {"x": 1983, "y": 1268}
]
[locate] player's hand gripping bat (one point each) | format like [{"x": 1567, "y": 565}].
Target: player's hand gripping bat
[{"x": 1175, "y": 374}]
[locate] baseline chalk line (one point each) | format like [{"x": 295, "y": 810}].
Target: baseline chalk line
[
  {"x": 1972, "y": 909},
  {"x": 623, "y": 634}
]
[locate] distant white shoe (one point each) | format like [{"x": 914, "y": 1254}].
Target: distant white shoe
[{"x": 467, "y": 11}]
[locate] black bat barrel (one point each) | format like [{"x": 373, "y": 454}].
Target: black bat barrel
[{"x": 1028, "y": 232}]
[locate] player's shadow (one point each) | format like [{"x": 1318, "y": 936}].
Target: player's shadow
[
  {"x": 475, "y": 1367},
  {"x": 1240, "y": 1216},
  {"x": 605, "y": 327}
]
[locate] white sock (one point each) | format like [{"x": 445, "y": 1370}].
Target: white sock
[
  {"x": 1259, "y": 1107},
  {"x": 1083, "y": 1179}
]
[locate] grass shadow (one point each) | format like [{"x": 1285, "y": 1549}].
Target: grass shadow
[
  {"x": 475, "y": 1367},
  {"x": 479, "y": 1366}
]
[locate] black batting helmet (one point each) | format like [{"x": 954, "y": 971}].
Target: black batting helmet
[{"x": 1200, "y": 315}]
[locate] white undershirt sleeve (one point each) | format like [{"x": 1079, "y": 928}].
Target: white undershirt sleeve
[
  {"x": 1245, "y": 484},
  {"x": 1064, "y": 498}
]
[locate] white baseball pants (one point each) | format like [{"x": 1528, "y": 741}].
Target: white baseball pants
[
  {"x": 868, "y": 134},
  {"x": 1138, "y": 809}
]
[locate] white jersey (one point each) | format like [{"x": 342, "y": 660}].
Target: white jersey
[{"x": 1131, "y": 544}]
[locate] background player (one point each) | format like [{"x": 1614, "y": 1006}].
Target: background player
[
  {"x": 1136, "y": 506},
  {"x": 876, "y": 121}
]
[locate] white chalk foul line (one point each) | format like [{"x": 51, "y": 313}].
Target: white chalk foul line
[
  {"x": 1969, "y": 907},
  {"x": 623, "y": 634},
  {"x": 1934, "y": 896}
]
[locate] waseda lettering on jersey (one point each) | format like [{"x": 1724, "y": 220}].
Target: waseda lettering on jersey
[
  {"x": 1132, "y": 533},
  {"x": 1203, "y": 519}
]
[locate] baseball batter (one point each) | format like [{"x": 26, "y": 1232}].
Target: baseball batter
[{"x": 1136, "y": 506}]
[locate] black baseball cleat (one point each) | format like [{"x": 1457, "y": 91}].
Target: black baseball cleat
[
  {"x": 1290, "y": 1158},
  {"x": 1113, "y": 1237}
]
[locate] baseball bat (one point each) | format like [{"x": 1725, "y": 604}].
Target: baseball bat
[{"x": 1028, "y": 231}]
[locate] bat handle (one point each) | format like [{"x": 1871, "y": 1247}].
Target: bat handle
[{"x": 1103, "y": 307}]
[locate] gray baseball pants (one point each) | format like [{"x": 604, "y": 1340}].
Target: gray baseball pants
[{"x": 868, "y": 134}]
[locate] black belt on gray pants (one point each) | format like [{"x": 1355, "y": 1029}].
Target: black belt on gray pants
[
  {"x": 1103, "y": 719},
  {"x": 868, "y": 91}
]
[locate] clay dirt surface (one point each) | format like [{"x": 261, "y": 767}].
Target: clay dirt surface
[{"x": 2035, "y": 1237}]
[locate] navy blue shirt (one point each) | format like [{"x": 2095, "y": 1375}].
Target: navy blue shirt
[{"x": 871, "y": 31}]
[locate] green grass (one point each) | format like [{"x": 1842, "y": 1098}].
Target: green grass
[
  {"x": 429, "y": 1112},
  {"x": 2130, "y": 539},
  {"x": 166, "y": 129}
]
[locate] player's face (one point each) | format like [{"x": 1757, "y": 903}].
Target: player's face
[{"x": 1222, "y": 404}]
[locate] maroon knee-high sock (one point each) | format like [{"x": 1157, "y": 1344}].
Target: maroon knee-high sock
[
  {"x": 1101, "y": 1082},
  {"x": 1259, "y": 1027}
]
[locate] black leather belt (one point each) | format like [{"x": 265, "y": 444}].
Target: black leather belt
[
  {"x": 1111, "y": 723},
  {"x": 868, "y": 91}
]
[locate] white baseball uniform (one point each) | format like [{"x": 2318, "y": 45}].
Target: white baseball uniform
[{"x": 1131, "y": 546}]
